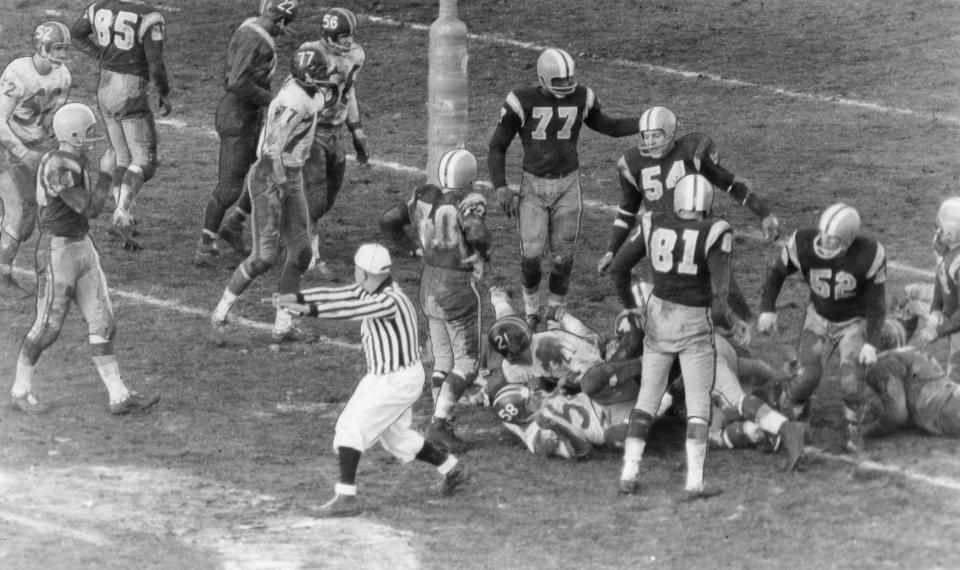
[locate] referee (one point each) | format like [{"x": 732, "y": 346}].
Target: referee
[{"x": 381, "y": 406}]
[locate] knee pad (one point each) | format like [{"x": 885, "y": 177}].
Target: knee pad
[
  {"x": 530, "y": 271},
  {"x": 258, "y": 266},
  {"x": 302, "y": 259},
  {"x": 560, "y": 275}
]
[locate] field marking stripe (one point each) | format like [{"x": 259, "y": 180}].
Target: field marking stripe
[
  {"x": 942, "y": 482},
  {"x": 701, "y": 75},
  {"x": 193, "y": 311},
  {"x": 53, "y": 528}
]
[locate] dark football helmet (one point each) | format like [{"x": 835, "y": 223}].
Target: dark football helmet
[
  {"x": 283, "y": 12},
  {"x": 510, "y": 336},
  {"x": 510, "y": 403},
  {"x": 338, "y": 28},
  {"x": 309, "y": 67}
]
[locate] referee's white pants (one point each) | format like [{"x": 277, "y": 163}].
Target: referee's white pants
[{"x": 381, "y": 409}]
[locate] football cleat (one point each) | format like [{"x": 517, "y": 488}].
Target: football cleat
[
  {"x": 134, "y": 402},
  {"x": 219, "y": 330},
  {"x": 340, "y": 506},
  {"x": 704, "y": 491},
  {"x": 11, "y": 289},
  {"x": 440, "y": 433},
  {"x": 456, "y": 477},
  {"x": 28, "y": 403},
  {"x": 628, "y": 486},
  {"x": 207, "y": 256},
  {"x": 792, "y": 435},
  {"x": 294, "y": 335},
  {"x": 234, "y": 239}
]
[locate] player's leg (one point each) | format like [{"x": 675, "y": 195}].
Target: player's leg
[
  {"x": 853, "y": 383},
  {"x": 140, "y": 133},
  {"x": 532, "y": 225},
  {"x": 93, "y": 300},
  {"x": 564, "y": 224},
  {"x": 295, "y": 235},
  {"x": 655, "y": 370},
  {"x": 18, "y": 194},
  {"x": 238, "y": 150},
  {"x": 266, "y": 242},
  {"x": 111, "y": 102},
  {"x": 813, "y": 348},
  {"x": 463, "y": 335},
  {"x": 55, "y": 277},
  {"x": 698, "y": 365}
]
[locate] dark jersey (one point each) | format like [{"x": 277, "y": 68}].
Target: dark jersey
[
  {"x": 128, "y": 39},
  {"x": 678, "y": 250},
  {"x": 549, "y": 129},
  {"x": 58, "y": 172},
  {"x": 250, "y": 63},
  {"x": 649, "y": 182},
  {"x": 947, "y": 290},
  {"x": 843, "y": 287}
]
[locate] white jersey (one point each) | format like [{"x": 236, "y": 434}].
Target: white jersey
[
  {"x": 29, "y": 99},
  {"x": 290, "y": 123},
  {"x": 344, "y": 69}
]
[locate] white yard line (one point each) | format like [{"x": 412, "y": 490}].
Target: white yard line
[
  {"x": 53, "y": 528},
  {"x": 948, "y": 483},
  {"x": 701, "y": 76}
]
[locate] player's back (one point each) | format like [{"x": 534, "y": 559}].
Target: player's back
[
  {"x": 121, "y": 27},
  {"x": 252, "y": 52},
  {"x": 678, "y": 250}
]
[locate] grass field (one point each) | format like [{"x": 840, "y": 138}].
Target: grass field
[{"x": 814, "y": 101}]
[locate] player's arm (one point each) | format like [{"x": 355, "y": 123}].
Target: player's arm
[
  {"x": 344, "y": 303},
  {"x": 596, "y": 119},
  {"x": 241, "y": 80},
  {"x": 64, "y": 178},
  {"x": 9, "y": 95},
  {"x": 777, "y": 273},
  {"x": 740, "y": 190},
  {"x": 151, "y": 34},
  {"x": 630, "y": 201},
  {"x": 81, "y": 31},
  {"x": 632, "y": 251},
  {"x": 718, "y": 261},
  {"x": 507, "y": 128},
  {"x": 355, "y": 126}
]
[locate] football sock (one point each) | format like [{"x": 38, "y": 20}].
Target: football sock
[
  {"x": 24, "y": 379},
  {"x": 283, "y": 321},
  {"x": 227, "y": 301},
  {"x": 448, "y": 465},
  {"x": 633, "y": 449},
  {"x": 436, "y": 382},
  {"x": 110, "y": 374},
  {"x": 696, "y": 444},
  {"x": 349, "y": 459},
  {"x": 432, "y": 454}
]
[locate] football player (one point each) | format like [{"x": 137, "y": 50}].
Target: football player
[
  {"x": 31, "y": 89},
  {"x": 945, "y": 308},
  {"x": 449, "y": 221},
  {"x": 548, "y": 118},
  {"x": 251, "y": 61},
  {"x": 126, "y": 37},
  {"x": 690, "y": 256},
  {"x": 68, "y": 265},
  {"x": 846, "y": 274},
  {"x": 275, "y": 183},
  {"x": 326, "y": 165}
]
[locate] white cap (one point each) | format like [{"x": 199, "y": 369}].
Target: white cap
[{"x": 372, "y": 258}]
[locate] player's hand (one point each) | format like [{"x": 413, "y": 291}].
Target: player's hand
[
  {"x": 277, "y": 173},
  {"x": 741, "y": 332},
  {"x": 771, "y": 227},
  {"x": 604, "y": 264},
  {"x": 165, "y": 106},
  {"x": 868, "y": 355},
  {"x": 123, "y": 219},
  {"x": 767, "y": 323},
  {"x": 507, "y": 200},
  {"x": 30, "y": 160},
  {"x": 363, "y": 152}
]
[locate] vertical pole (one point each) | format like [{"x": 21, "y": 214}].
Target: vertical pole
[{"x": 447, "y": 87}]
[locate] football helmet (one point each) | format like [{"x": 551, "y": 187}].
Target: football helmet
[
  {"x": 51, "y": 41},
  {"x": 282, "y": 12},
  {"x": 948, "y": 225},
  {"x": 309, "y": 67},
  {"x": 839, "y": 226},
  {"x": 654, "y": 120},
  {"x": 338, "y": 28},
  {"x": 510, "y": 336},
  {"x": 555, "y": 71},
  {"x": 457, "y": 168},
  {"x": 693, "y": 194},
  {"x": 74, "y": 124},
  {"x": 510, "y": 403}
]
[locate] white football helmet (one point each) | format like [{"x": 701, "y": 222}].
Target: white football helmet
[
  {"x": 692, "y": 195},
  {"x": 555, "y": 70},
  {"x": 948, "y": 224},
  {"x": 839, "y": 226},
  {"x": 457, "y": 169},
  {"x": 657, "y": 119},
  {"x": 51, "y": 41},
  {"x": 74, "y": 124}
]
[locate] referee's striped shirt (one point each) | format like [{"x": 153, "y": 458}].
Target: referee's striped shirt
[{"x": 388, "y": 328}]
